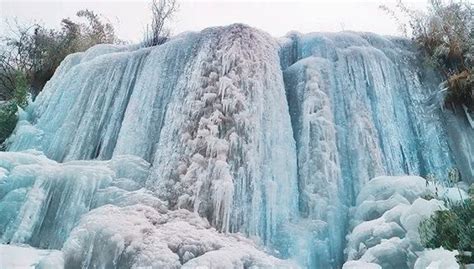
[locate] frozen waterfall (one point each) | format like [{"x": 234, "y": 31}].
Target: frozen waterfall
[{"x": 223, "y": 148}]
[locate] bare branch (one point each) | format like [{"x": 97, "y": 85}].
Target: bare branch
[{"x": 162, "y": 12}]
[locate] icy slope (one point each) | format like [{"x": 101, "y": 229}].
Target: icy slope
[
  {"x": 140, "y": 236},
  {"x": 172, "y": 154}
]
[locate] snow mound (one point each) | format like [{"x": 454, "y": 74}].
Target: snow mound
[
  {"x": 386, "y": 219},
  {"x": 437, "y": 259},
  {"x": 382, "y": 188},
  {"x": 140, "y": 236},
  {"x": 360, "y": 265}
]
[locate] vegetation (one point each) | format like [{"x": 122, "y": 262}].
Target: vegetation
[
  {"x": 37, "y": 51},
  {"x": 8, "y": 109},
  {"x": 162, "y": 12},
  {"x": 8, "y": 121},
  {"x": 453, "y": 228},
  {"x": 445, "y": 36},
  {"x": 29, "y": 55}
]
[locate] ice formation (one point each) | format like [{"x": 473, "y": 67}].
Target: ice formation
[
  {"x": 385, "y": 225},
  {"x": 359, "y": 109},
  {"x": 229, "y": 148},
  {"x": 381, "y": 232},
  {"x": 142, "y": 237},
  {"x": 42, "y": 200}
]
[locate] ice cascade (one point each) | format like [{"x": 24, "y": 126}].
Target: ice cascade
[{"x": 225, "y": 148}]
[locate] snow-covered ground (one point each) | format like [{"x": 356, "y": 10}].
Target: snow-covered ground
[{"x": 25, "y": 257}]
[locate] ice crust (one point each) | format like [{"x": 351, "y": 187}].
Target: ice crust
[{"x": 229, "y": 133}]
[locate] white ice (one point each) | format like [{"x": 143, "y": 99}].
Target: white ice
[{"x": 25, "y": 257}]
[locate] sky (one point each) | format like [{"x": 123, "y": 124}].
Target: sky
[{"x": 279, "y": 17}]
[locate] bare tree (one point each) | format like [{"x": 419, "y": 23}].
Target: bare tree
[
  {"x": 14, "y": 56},
  {"x": 162, "y": 12},
  {"x": 7, "y": 77}
]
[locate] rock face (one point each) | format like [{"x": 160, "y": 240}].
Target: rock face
[{"x": 222, "y": 132}]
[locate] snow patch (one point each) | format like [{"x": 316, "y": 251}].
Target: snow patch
[{"x": 24, "y": 257}]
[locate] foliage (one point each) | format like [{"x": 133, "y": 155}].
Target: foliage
[
  {"x": 8, "y": 121},
  {"x": 162, "y": 12},
  {"x": 452, "y": 229},
  {"x": 8, "y": 110},
  {"x": 20, "y": 95},
  {"x": 445, "y": 35},
  {"x": 37, "y": 51}
]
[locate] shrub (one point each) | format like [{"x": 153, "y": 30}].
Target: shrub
[
  {"x": 445, "y": 36},
  {"x": 20, "y": 95},
  {"x": 162, "y": 12},
  {"x": 8, "y": 119},
  {"x": 461, "y": 86},
  {"x": 8, "y": 109},
  {"x": 452, "y": 229}
]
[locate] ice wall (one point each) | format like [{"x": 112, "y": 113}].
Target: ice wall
[
  {"x": 220, "y": 132},
  {"x": 378, "y": 94},
  {"x": 207, "y": 110},
  {"x": 226, "y": 149},
  {"x": 361, "y": 106},
  {"x": 80, "y": 111}
]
